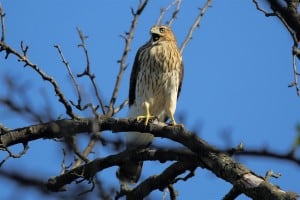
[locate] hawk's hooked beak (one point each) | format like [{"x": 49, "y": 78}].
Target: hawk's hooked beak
[{"x": 155, "y": 37}]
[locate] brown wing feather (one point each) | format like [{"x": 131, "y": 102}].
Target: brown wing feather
[
  {"x": 134, "y": 73},
  {"x": 180, "y": 78}
]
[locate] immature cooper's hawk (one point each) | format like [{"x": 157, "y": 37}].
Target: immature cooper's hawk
[{"x": 155, "y": 84}]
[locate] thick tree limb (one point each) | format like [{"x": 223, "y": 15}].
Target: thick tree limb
[
  {"x": 219, "y": 163},
  {"x": 88, "y": 170},
  {"x": 161, "y": 181}
]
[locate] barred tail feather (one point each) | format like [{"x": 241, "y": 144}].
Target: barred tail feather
[{"x": 130, "y": 172}]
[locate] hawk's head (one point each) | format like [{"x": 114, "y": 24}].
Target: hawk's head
[{"x": 161, "y": 33}]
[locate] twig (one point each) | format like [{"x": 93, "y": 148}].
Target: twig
[
  {"x": 232, "y": 194},
  {"x": 290, "y": 30},
  {"x": 81, "y": 156},
  {"x": 87, "y": 70},
  {"x": 174, "y": 14},
  {"x": 3, "y": 129},
  {"x": 63, "y": 163},
  {"x": 189, "y": 175},
  {"x": 11, "y": 154},
  {"x": 88, "y": 190},
  {"x": 270, "y": 174},
  {"x": 266, "y": 153},
  {"x": 294, "y": 51},
  {"x": 88, "y": 149},
  {"x": 24, "y": 181},
  {"x": 22, "y": 109},
  {"x": 66, "y": 63},
  {"x": 164, "y": 10},
  {"x": 194, "y": 25},
  {"x": 288, "y": 18},
  {"x": 2, "y": 16},
  {"x": 23, "y": 58},
  {"x": 267, "y": 14},
  {"x": 173, "y": 192},
  {"x": 128, "y": 38},
  {"x": 295, "y": 73},
  {"x": 160, "y": 181},
  {"x": 239, "y": 148},
  {"x": 121, "y": 106}
]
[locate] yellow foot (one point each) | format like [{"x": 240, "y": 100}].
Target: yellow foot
[
  {"x": 173, "y": 123},
  {"x": 146, "y": 118}
]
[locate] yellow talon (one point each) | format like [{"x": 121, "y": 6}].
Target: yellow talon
[
  {"x": 147, "y": 117},
  {"x": 173, "y": 122}
]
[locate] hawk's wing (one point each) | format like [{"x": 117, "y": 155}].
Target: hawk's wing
[
  {"x": 134, "y": 73},
  {"x": 181, "y": 73}
]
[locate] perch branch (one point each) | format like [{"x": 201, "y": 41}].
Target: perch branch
[{"x": 211, "y": 158}]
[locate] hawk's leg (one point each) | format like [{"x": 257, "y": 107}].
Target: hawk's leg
[
  {"x": 173, "y": 122},
  {"x": 148, "y": 116},
  {"x": 171, "y": 112}
]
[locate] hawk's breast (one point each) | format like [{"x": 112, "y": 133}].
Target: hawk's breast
[{"x": 158, "y": 78}]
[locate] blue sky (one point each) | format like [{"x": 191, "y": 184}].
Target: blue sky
[{"x": 237, "y": 70}]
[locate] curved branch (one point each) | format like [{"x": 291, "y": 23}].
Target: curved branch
[
  {"x": 266, "y": 153},
  {"x": 22, "y": 57},
  {"x": 161, "y": 181},
  {"x": 87, "y": 171},
  {"x": 214, "y": 160}
]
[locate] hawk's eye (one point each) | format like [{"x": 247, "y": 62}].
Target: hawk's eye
[{"x": 162, "y": 30}]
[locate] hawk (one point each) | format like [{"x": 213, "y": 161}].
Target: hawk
[{"x": 155, "y": 85}]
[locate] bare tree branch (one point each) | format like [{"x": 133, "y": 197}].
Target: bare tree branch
[
  {"x": 2, "y": 15},
  {"x": 290, "y": 18},
  {"x": 160, "y": 181},
  {"x": 3, "y": 129},
  {"x": 22, "y": 57},
  {"x": 266, "y": 153},
  {"x": 232, "y": 194},
  {"x": 164, "y": 10},
  {"x": 90, "y": 169},
  {"x": 195, "y": 25},
  {"x": 87, "y": 72},
  {"x": 66, "y": 63},
  {"x": 128, "y": 38},
  {"x": 219, "y": 163},
  {"x": 121, "y": 106},
  {"x": 25, "y": 181},
  {"x": 267, "y": 14},
  {"x": 11, "y": 154},
  {"x": 174, "y": 14},
  {"x": 111, "y": 110}
]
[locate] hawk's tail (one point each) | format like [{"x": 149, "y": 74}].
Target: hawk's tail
[{"x": 130, "y": 171}]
